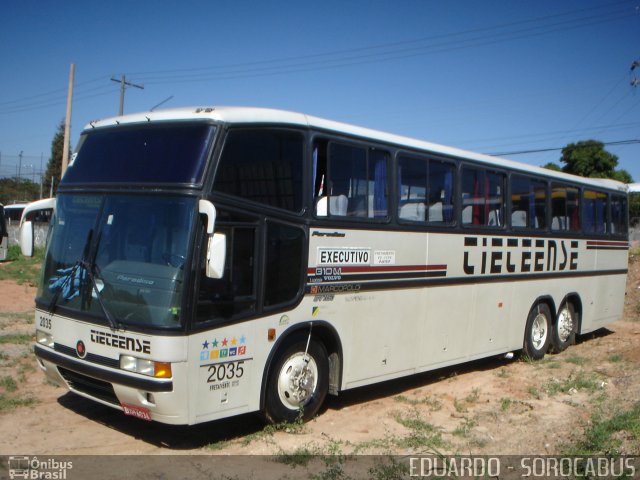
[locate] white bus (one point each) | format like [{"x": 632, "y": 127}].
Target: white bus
[
  {"x": 203, "y": 263},
  {"x": 4, "y": 236}
]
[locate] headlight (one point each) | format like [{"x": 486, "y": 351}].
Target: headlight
[
  {"x": 44, "y": 338},
  {"x": 145, "y": 367}
]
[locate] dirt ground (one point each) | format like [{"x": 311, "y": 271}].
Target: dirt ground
[{"x": 494, "y": 406}]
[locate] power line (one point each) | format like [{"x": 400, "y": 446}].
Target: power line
[
  {"x": 312, "y": 58},
  {"x": 350, "y": 57},
  {"x": 539, "y": 150}
]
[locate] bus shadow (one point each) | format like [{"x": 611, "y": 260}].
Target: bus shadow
[
  {"x": 401, "y": 385},
  {"x": 174, "y": 437},
  {"x": 218, "y": 431}
]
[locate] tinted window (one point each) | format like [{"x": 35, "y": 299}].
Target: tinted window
[
  {"x": 353, "y": 182},
  {"x": 528, "y": 203},
  {"x": 594, "y": 211},
  {"x": 284, "y": 263},
  {"x": 3, "y": 224},
  {"x": 147, "y": 154},
  {"x": 263, "y": 166},
  {"x": 235, "y": 294},
  {"x": 482, "y": 197},
  {"x": 426, "y": 190},
  {"x": 619, "y": 215},
  {"x": 565, "y": 211}
]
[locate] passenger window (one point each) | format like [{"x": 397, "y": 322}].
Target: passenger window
[
  {"x": 565, "y": 211},
  {"x": 264, "y": 166},
  {"x": 350, "y": 181},
  {"x": 482, "y": 197},
  {"x": 528, "y": 203},
  {"x": 619, "y": 215},
  {"x": 594, "y": 212},
  {"x": 426, "y": 190}
]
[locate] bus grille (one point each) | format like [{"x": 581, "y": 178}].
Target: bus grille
[
  {"x": 90, "y": 386},
  {"x": 91, "y": 357}
]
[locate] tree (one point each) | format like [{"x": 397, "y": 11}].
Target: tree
[
  {"x": 54, "y": 166},
  {"x": 18, "y": 190},
  {"x": 588, "y": 158},
  {"x": 553, "y": 166}
]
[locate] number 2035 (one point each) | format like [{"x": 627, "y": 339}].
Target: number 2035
[{"x": 225, "y": 371}]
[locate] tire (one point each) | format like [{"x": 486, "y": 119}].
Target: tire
[
  {"x": 537, "y": 334},
  {"x": 564, "y": 329},
  {"x": 297, "y": 384}
]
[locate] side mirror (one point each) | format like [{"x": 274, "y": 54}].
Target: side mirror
[
  {"x": 217, "y": 245},
  {"x": 216, "y": 254},
  {"x": 26, "y": 239}
]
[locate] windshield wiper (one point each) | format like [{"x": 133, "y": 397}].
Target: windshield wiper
[
  {"x": 88, "y": 267},
  {"x": 71, "y": 280}
]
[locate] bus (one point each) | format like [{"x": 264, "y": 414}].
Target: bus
[
  {"x": 208, "y": 262},
  {"x": 35, "y": 214},
  {"x": 13, "y": 212},
  {"x": 4, "y": 236}
]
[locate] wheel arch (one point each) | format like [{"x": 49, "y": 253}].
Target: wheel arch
[
  {"x": 548, "y": 300},
  {"x": 320, "y": 330},
  {"x": 574, "y": 299}
]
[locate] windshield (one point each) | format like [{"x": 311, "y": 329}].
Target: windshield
[
  {"x": 119, "y": 253},
  {"x": 167, "y": 153}
]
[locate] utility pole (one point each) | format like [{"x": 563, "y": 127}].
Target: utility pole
[
  {"x": 67, "y": 123},
  {"x": 123, "y": 84},
  {"x": 19, "y": 164}
]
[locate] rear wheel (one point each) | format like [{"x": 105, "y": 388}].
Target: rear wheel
[
  {"x": 564, "y": 330},
  {"x": 537, "y": 334},
  {"x": 298, "y": 381}
]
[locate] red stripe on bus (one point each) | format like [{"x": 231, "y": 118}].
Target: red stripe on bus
[{"x": 380, "y": 268}]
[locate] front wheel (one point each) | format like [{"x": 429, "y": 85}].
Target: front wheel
[
  {"x": 298, "y": 381},
  {"x": 563, "y": 333},
  {"x": 537, "y": 332}
]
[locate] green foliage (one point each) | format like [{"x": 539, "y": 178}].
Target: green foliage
[
  {"x": 22, "y": 269},
  {"x": 8, "y": 402},
  {"x": 605, "y": 435},
  {"x": 634, "y": 206},
  {"x": 16, "y": 339},
  {"x": 553, "y": 166},
  {"x": 422, "y": 435},
  {"x": 15, "y": 190},
  {"x": 588, "y": 158},
  {"x": 8, "y": 383},
  {"x": 54, "y": 166}
]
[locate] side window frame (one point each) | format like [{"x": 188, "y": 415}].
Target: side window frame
[
  {"x": 344, "y": 205},
  {"x": 471, "y": 210},
  {"x": 532, "y": 221},
  {"x": 571, "y": 220},
  {"x": 424, "y": 211}
]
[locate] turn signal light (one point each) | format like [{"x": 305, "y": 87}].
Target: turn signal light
[{"x": 162, "y": 370}]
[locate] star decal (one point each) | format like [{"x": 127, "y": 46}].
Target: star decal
[
  {"x": 224, "y": 342},
  {"x": 234, "y": 341},
  {"x": 214, "y": 344},
  {"x": 242, "y": 339},
  {"x": 205, "y": 345}
]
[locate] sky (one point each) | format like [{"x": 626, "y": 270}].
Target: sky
[{"x": 491, "y": 76}]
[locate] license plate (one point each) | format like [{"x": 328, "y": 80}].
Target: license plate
[{"x": 138, "y": 412}]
